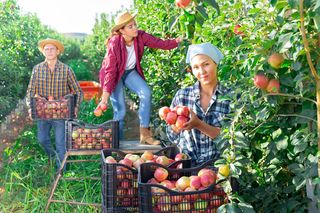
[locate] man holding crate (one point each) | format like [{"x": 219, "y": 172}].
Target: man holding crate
[{"x": 51, "y": 80}]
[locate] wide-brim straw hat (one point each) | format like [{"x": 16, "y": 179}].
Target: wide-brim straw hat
[
  {"x": 121, "y": 20},
  {"x": 55, "y": 42}
]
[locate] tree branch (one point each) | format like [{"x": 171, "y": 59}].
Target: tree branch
[
  {"x": 289, "y": 95},
  {"x": 306, "y": 43}
]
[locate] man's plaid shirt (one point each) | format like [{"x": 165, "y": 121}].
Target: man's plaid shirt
[
  {"x": 58, "y": 83},
  {"x": 199, "y": 146}
]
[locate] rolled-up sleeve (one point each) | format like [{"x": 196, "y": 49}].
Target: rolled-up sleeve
[{"x": 154, "y": 42}]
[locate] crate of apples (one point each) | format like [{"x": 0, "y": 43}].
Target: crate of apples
[
  {"x": 81, "y": 136},
  {"x": 120, "y": 171},
  {"x": 50, "y": 108},
  {"x": 176, "y": 116},
  {"x": 194, "y": 189}
]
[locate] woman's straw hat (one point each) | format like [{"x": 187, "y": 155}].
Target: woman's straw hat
[
  {"x": 121, "y": 20},
  {"x": 55, "y": 42}
]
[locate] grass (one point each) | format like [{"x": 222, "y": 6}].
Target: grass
[{"x": 26, "y": 178}]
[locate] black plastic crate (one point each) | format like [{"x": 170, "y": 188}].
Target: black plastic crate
[
  {"x": 43, "y": 109},
  {"x": 154, "y": 198},
  {"x": 82, "y": 136},
  {"x": 120, "y": 182}
]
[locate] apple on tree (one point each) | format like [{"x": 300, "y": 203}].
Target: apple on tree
[
  {"x": 182, "y": 3},
  {"x": 275, "y": 60},
  {"x": 273, "y": 86},
  {"x": 261, "y": 81}
]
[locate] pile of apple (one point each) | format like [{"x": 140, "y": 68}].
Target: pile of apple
[
  {"x": 205, "y": 197},
  {"x": 52, "y": 109},
  {"x": 86, "y": 138},
  {"x": 127, "y": 185},
  {"x": 177, "y": 116}
]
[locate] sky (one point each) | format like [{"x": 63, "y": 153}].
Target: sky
[{"x": 67, "y": 16}]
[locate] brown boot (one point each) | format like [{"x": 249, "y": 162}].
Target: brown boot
[{"x": 146, "y": 137}]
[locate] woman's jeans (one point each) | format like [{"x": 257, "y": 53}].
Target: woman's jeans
[
  {"x": 138, "y": 85},
  {"x": 44, "y": 127}
]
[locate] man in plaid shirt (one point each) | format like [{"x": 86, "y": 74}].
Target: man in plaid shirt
[
  {"x": 204, "y": 100},
  {"x": 53, "y": 79}
]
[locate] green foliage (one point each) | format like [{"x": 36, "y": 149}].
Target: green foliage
[{"x": 94, "y": 47}]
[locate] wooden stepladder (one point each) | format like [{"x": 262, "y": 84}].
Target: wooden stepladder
[{"x": 84, "y": 140}]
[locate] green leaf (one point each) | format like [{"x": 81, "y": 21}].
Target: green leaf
[
  {"x": 202, "y": 11},
  {"x": 246, "y": 207},
  {"x": 253, "y": 11},
  {"x": 300, "y": 147},
  {"x": 282, "y": 142},
  {"x": 214, "y": 4},
  {"x": 263, "y": 114},
  {"x": 299, "y": 182},
  {"x": 276, "y": 134},
  {"x": 173, "y": 22},
  {"x": 285, "y": 42},
  {"x": 316, "y": 20},
  {"x": 293, "y": 3}
]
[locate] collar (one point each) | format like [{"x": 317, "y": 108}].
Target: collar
[{"x": 196, "y": 90}]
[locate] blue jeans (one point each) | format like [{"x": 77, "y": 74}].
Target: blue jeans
[
  {"x": 44, "y": 127},
  {"x": 138, "y": 85}
]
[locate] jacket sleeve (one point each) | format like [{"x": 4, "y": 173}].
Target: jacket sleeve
[
  {"x": 154, "y": 42},
  {"x": 109, "y": 68},
  {"x": 31, "y": 87}
]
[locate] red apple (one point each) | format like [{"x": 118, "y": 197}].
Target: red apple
[
  {"x": 98, "y": 112},
  {"x": 183, "y": 110},
  {"x": 237, "y": 31},
  {"x": 181, "y": 120},
  {"x": 207, "y": 179},
  {"x": 163, "y": 160},
  {"x": 261, "y": 81},
  {"x": 195, "y": 182},
  {"x": 182, "y": 3},
  {"x": 138, "y": 162},
  {"x": 103, "y": 107},
  {"x": 168, "y": 184},
  {"x": 147, "y": 155},
  {"x": 183, "y": 183},
  {"x": 180, "y": 156},
  {"x": 171, "y": 118},
  {"x": 161, "y": 174},
  {"x": 110, "y": 159},
  {"x": 273, "y": 86},
  {"x": 275, "y": 60},
  {"x": 163, "y": 111}
]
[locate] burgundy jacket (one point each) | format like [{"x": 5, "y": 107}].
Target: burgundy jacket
[{"x": 114, "y": 63}]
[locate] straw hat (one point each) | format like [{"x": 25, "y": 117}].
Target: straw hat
[
  {"x": 121, "y": 20},
  {"x": 55, "y": 42}
]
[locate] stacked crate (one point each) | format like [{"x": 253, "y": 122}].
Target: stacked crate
[{"x": 120, "y": 179}]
